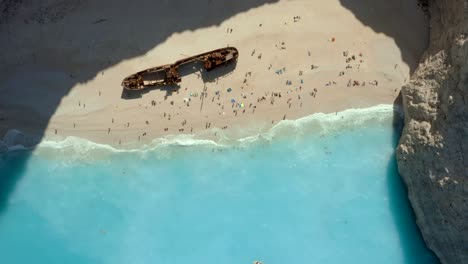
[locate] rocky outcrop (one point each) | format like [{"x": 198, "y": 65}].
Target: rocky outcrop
[
  {"x": 3, "y": 147},
  {"x": 433, "y": 150},
  {"x": 15, "y": 137},
  {"x": 16, "y": 140}
]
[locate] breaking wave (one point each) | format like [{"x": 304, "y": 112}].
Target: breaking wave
[{"x": 318, "y": 124}]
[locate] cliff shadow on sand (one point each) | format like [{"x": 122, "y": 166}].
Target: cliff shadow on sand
[
  {"x": 50, "y": 46},
  {"x": 376, "y": 14}
]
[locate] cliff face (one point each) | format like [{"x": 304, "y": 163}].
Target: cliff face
[{"x": 433, "y": 150}]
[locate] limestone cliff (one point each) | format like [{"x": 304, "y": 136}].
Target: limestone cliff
[{"x": 433, "y": 150}]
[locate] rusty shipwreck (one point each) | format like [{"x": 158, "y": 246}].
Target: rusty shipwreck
[{"x": 169, "y": 74}]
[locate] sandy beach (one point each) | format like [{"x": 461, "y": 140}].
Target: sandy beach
[{"x": 296, "y": 58}]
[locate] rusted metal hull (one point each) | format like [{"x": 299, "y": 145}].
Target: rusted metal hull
[{"x": 168, "y": 74}]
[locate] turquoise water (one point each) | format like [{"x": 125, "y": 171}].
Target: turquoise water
[{"x": 332, "y": 196}]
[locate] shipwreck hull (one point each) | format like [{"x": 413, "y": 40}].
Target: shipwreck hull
[{"x": 168, "y": 74}]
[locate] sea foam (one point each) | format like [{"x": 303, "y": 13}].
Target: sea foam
[{"x": 318, "y": 123}]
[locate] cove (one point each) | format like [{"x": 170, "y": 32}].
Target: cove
[{"x": 318, "y": 195}]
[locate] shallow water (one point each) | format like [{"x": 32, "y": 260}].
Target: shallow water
[{"x": 333, "y": 196}]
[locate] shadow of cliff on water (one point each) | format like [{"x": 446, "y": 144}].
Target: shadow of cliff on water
[
  {"x": 414, "y": 250},
  {"x": 64, "y": 36},
  {"x": 376, "y": 15}
]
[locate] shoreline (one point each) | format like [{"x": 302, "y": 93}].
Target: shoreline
[{"x": 322, "y": 123}]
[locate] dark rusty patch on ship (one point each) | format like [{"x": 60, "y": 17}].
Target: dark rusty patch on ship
[{"x": 169, "y": 74}]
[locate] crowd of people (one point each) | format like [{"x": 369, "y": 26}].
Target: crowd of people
[{"x": 220, "y": 104}]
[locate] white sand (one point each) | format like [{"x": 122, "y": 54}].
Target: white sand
[{"x": 36, "y": 67}]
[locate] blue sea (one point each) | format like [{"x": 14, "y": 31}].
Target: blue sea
[{"x": 321, "y": 189}]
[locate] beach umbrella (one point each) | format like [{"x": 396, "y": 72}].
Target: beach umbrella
[{"x": 233, "y": 101}]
